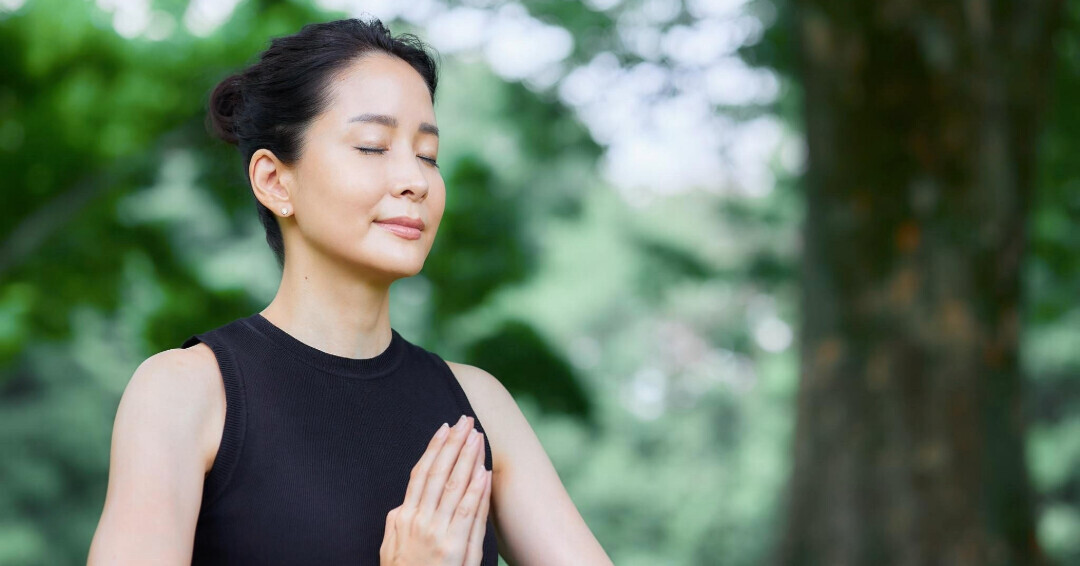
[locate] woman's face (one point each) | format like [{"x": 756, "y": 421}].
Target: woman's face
[{"x": 366, "y": 159}]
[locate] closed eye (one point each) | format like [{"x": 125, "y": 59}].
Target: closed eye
[{"x": 376, "y": 150}]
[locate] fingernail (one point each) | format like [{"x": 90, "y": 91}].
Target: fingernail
[
  {"x": 442, "y": 430},
  {"x": 461, "y": 420},
  {"x": 472, "y": 438}
]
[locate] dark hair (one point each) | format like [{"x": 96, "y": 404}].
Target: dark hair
[{"x": 271, "y": 103}]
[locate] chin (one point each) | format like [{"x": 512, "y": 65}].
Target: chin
[
  {"x": 396, "y": 269},
  {"x": 390, "y": 262},
  {"x": 408, "y": 272}
]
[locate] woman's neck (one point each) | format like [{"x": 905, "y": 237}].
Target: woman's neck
[{"x": 334, "y": 310}]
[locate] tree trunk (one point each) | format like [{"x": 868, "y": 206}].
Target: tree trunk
[{"x": 921, "y": 121}]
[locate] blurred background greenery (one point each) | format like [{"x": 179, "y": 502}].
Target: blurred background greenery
[{"x": 640, "y": 169}]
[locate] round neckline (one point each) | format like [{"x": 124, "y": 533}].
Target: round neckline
[{"x": 360, "y": 368}]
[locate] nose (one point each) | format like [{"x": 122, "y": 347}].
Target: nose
[{"x": 412, "y": 181}]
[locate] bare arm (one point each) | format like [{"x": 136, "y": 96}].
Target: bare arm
[
  {"x": 166, "y": 432},
  {"x": 536, "y": 520}
]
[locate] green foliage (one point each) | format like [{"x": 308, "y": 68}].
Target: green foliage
[
  {"x": 527, "y": 364},
  {"x": 1052, "y": 313},
  {"x": 484, "y": 248}
]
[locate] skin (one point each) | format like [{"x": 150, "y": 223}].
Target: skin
[
  {"x": 440, "y": 523},
  {"x": 333, "y": 295}
]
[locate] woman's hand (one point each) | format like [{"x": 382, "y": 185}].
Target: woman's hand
[{"x": 444, "y": 516}]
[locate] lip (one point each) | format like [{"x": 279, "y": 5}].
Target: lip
[
  {"x": 408, "y": 228},
  {"x": 403, "y": 221}
]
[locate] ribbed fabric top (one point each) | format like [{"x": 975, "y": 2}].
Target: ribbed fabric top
[
  {"x": 358, "y": 368},
  {"x": 317, "y": 448}
]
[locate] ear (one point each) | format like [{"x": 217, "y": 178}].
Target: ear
[{"x": 270, "y": 181}]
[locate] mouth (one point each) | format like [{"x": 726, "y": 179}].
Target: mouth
[{"x": 403, "y": 226}]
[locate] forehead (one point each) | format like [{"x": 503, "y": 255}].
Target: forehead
[{"x": 383, "y": 84}]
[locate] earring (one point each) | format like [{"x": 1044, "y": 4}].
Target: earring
[{"x": 285, "y": 211}]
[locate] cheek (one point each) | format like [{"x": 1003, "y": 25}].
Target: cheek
[
  {"x": 439, "y": 194},
  {"x": 339, "y": 183},
  {"x": 350, "y": 196},
  {"x": 438, "y": 200}
]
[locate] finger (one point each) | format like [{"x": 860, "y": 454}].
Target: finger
[
  {"x": 461, "y": 523},
  {"x": 419, "y": 473},
  {"x": 389, "y": 544},
  {"x": 475, "y": 549},
  {"x": 459, "y": 480},
  {"x": 440, "y": 469}
]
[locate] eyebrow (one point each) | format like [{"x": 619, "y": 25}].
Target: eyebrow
[{"x": 390, "y": 121}]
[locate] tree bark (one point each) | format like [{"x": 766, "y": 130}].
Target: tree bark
[{"x": 922, "y": 124}]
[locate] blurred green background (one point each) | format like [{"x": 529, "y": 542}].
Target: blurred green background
[{"x": 621, "y": 246}]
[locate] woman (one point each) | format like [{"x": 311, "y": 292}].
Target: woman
[{"x": 309, "y": 432}]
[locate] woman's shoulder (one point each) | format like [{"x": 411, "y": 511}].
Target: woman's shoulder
[
  {"x": 494, "y": 406},
  {"x": 180, "y": 392},
  {"x": 475, "y": 379}
]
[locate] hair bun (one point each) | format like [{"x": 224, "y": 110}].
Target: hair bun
[{"x": 225, "y": 107}]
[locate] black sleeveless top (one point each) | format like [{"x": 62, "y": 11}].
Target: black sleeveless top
[{"x": 317, "y": 448}]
